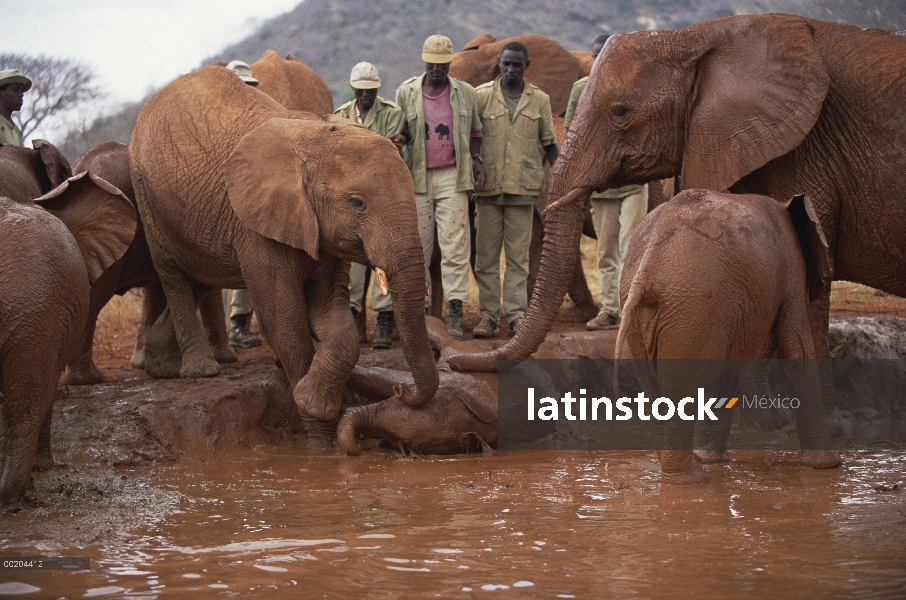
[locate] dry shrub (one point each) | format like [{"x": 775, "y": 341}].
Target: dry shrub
[{"x": 114, "y": 336}]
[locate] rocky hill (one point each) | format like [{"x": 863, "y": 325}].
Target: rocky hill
[{"x": 332, "y": 35}]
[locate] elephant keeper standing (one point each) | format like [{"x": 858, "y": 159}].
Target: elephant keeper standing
[
  {"x": 12, "y": 91},
  {"x": 615, "y": 214},
  {"x": 386, "y": 119},
  {"x": 516, "y": 116},
  {"x": 443, "y": 140}
]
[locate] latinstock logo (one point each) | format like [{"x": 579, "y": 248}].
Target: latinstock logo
[{"x": 625, "y": 408}]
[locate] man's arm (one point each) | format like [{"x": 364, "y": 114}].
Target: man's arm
[
  {"x": 546, "y": 134},
  {"x": 477, "y": 166},
  {"x": 551, "y": 152}
]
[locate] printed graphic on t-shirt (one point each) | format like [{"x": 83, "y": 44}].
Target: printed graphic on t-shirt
[{"x": 439, "y": 149}]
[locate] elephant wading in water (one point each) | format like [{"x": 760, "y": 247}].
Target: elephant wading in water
[
  {"x": 716, "y": 276},
  {"x": 110, "y": 161},
  {"x": 47, "y": 264},
  {"x": 775, "y": 105},
  {"x": 235, "y": 191}
]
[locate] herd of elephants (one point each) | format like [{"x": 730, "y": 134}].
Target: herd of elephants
[{"x": 787, "y": 134}]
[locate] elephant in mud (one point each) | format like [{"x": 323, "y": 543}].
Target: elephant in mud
[
  {"x": 235, "y": 191},
  {"x": 110, "y": 161},
  {"x": 27, "y": 173},
  {"x": 53, "y": 250},
  {"x": 775, "y": 105},
  {"x": 717, "y": 276},
  {"x": 461, "y": 417}
]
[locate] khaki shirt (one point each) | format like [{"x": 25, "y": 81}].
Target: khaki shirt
[
  {"x": 385, "y": 117},
  {"x": 509, "y": 148},
  {"x": 9, "y": 133},
  {"x": 465, "y": 121},
  {"x": 578, "y": 87}
]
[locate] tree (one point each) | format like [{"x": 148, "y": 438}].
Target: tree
[{"x": 60, "y": 87}]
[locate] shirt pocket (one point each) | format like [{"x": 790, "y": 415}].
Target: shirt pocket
[
  {"x": 528, "y": 123},
  {"x": 532, "y": 172},
  {"x": 494, "y": 123}
]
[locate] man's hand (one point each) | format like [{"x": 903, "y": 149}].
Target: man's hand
[
  {"x": 399, "y": 139},
  {"x": 480, "y": 175}
]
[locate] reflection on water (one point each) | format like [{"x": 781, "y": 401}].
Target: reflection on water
[{"x": 546, "y": 524}]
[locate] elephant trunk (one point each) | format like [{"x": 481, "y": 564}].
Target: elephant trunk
[
  {"x": 407, "y": 286},
  {"x": 562, "y": 230},
  {"x": 352, "y": 422}
]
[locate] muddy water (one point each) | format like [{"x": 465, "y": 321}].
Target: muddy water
[{"x": 272, "y": 522}]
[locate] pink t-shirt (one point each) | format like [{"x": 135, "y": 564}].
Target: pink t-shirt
[{"x": 439, "y": 151}]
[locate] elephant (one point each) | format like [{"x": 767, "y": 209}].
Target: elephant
[
  {"x": 110, "y": 161},
  {"x": 774, "y": 105},
  {"x": 51, "y": 257},
  {"x": 553, "y": 68},
  {"x": 27, "y": 173},
  {"x": 716, "y": 276},
  {"x": 292, "y": 83},
  {"x": 462, "y": 416},
  {"x": 235, "y": 191}
]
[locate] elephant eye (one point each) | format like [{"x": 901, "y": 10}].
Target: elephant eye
[
  {"x": 356, "y": 203},
  {"x": 620, "y": 111}
]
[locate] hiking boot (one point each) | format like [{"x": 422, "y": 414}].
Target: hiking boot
[
  {"x": 383, "y": 329},
  {"x": 604, "y": 320},
  {"x": 515, "y": 324},
  {"x": 455, "y": 319},
  {"x": 239, "y": 333},
  {"x": 486, "y": 328}
]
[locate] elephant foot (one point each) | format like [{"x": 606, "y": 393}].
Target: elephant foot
[
  {"x": 43, "y": 462},
  {"x": 137, "y": 360},
  {"x": 202, "y": 367},
  {"x": 708, "y": 457},
  {"x": 84, "y": 375},
  {"x": 224, "y": 354},
  {"x": 681, "y": 467},
  {"x": 820, "y": 459},
  {"x": 319, "y": 436},
  {"x": 318, "y": 399}
]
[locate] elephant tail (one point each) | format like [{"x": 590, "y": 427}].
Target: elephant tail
[{"x": 628, "y": 312}]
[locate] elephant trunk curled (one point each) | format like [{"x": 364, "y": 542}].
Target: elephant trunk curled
[{"x": 352, "y": 422}]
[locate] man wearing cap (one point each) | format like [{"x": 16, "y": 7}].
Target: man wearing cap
[
  {"x": 241, "y": 306},
  {"x": 386, "y": 119},
  {"x": 443, "y": 144},
  {"x": 615, "y": 214},
  {"x": 12, "y": 91},
  {"x": 516, "y": 117}
]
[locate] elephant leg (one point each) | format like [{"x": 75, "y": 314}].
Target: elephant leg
[
  {"x": 437, "y": 282},
  {"x": 210, "y": 305},
  {"x": 679, "y": 466},
  {"x": 44, "y": 455},
  {"x": 585, "y": 308},
  {"x": 320, "y": 392},
  {"x": 806, "y": 385},
  {"x": 197, "y": 359},
  {"x": 153, "y": 304},
  {"x": 81, "y": 369}
]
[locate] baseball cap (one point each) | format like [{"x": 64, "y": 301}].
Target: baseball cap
[
  {"x": 364, "y": 76},
  {"x": 243, "y": 71},
  {"x": 438, "y": 49},
  {"x": 9, "y": 76}
]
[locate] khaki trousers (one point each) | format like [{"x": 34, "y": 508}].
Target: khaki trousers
[
  {"x": 449, "y": 210},
  {"x": 498, "y": 226},
  {"x": 379, "y": 302},
  {"x": 241, "y": 302},
  {"x": 615, "y": 220}
]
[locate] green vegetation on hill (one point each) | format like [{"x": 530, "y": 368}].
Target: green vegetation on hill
[{"x": 333, "y": 35}]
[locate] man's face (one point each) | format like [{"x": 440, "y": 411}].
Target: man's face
[
  {"x": 437, "y": 73},
  {"x": 365, "y": 98},
  {"x": 596, "y": 50},
  {"x": 11, "y": 96},
  {"x": 512, "y": 65}
]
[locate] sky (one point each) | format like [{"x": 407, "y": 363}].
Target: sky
[{"x": 133, "y": 47}]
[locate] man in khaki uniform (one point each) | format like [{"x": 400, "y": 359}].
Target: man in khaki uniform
[
  {"x": 615, "y": 213},
  {"x": 384, "y": 118},
  {"x": 12, "y": 92},
  {"x": 515, "y": 116},
  {"x": 241, "y": 307},
  {"x": 442, "y": 144}
]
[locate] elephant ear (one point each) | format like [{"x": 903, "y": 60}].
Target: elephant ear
[
  {"x": 267, "y": 183},
  {"x": 99, "y": 216},
  {"x": 56, "y": 165},
  {"x": 759, "y": 87},
  {"x": 818, "y": 265}
]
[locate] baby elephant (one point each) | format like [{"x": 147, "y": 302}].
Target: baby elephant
[{"x": 720, "y": 276}]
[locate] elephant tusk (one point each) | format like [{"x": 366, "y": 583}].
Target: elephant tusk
[
  {"x": 427, "y": 289},
  {"x": 570, "y": 197},
  {"x": 382, "y": 281}
]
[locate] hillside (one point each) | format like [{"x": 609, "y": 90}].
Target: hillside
[{"x": 332, "y": 35}]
